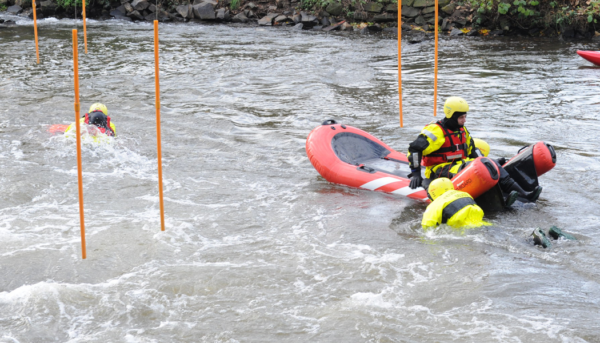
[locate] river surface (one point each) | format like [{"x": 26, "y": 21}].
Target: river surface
[{"x": 258, "y": 247}]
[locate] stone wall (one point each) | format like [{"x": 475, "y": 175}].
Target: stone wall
[{"x": 417, "y": 15}]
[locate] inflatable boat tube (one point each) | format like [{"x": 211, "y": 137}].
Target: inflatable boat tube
[
  {"x": 592, "y": 56},
  {"x": 349, "y": 156},
  {"x": 477, "y": 177},
  {"x": 58, "y": 128},
  {"x": 531, "y": 162}
]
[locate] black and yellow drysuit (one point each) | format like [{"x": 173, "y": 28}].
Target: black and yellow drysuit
[{"x": 454, "y": 208}]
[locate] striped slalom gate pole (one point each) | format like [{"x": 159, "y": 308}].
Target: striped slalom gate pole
[
  {"x": 435, "y": 68},
  {"x": 84, "y": 26},
  {"x": 157, "y": 84},
  {"x": 37, "y": 50},
  {"x": 400, "y": 60},
  {"x": 78, "y": 127}
]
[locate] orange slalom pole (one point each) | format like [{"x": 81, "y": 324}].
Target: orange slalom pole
[
  {"x": 400, "y": 59},
  {"x": 37, "y": 50},
  {"x": 78, "y": 127},
  {"x": 84, "y": 28},
  {"x": 435, "y": 68},
  {"x": 160, "y": 184}
]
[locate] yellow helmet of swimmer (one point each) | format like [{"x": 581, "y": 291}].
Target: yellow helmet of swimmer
[
  {"x": 455, "y": 104},
  {"x": 98, "y": 107},
  {"x": 482, "y": 146},
  {"x": 439, "y": 186}
]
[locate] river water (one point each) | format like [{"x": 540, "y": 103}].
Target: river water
[{"x": 258, "y": 247}]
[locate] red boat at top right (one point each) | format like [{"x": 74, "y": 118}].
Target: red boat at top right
[{"x": 592, "y": 56}]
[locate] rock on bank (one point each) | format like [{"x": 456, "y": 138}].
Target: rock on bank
[{"x": 455, "y": 18}]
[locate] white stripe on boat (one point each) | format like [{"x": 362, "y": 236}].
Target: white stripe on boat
[
  {"x": 406, "y": 191},
  {"x": 373, "y": 185}
]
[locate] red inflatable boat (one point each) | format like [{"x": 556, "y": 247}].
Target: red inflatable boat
[
  {"x": 592, "y": 56},
  {"x": 349, "y": 156}
]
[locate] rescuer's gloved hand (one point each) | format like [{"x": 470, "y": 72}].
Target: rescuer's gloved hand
[
  {"x": 501, "y": 161},
  {"x": 415, "y": 179}
]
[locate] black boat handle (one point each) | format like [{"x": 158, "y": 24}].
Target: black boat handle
[
  {"x": 329, "y": 122},
  {"x": 552, "y": 152},
  {"x": 366, "y": 169}
]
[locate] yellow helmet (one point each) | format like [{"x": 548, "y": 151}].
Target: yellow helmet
[
  {"x": 482, "y": 146},
  {"x": 439, "y": 186},
  {"x": 455, "y": 104},
  {"x": 98, "y": 107}
]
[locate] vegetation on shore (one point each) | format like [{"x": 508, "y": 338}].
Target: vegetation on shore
[
  {"x": 582, "y": 15},
  {"x": 569, "y": 18}
]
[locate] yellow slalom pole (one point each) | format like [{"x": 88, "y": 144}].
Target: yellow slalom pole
[
  {"x": 400, "y": 59},
  {"x": 78, "y": 127},
  {"x": 160, "y": 184},
  {"x": 435, "y": 69},
  {"x": 84, "y": 28},
  {"x": 37, "y": 50}
]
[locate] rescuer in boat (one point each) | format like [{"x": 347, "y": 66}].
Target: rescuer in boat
[
  {"x": 98, "y": 118},
  {"x": 446, "y": 147},
  {"x": 448, "y": 206}
]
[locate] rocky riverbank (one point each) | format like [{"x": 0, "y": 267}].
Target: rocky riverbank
[{"x": 455, "y": 18}]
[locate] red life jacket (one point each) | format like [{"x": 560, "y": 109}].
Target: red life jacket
[
  {"x": 454, "y": 148},
  {"x": 106, "y": 130}
]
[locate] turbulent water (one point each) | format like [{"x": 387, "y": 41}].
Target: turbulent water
[{"x": 258, "y": 247}]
